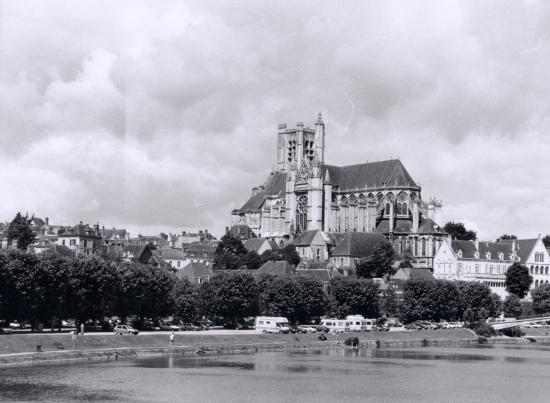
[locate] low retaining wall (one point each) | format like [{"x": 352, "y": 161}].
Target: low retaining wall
[{"x": 197, "y": 345}]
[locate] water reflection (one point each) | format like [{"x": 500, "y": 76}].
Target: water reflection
[{"x": 310, "y": 376}]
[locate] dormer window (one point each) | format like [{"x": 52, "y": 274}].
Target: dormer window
[
  {"x": 459, "y": 253},
  {"x": 476, "y": 254},
  {"x": 488, "y": 255},
  {"x": 501, "y": 256}
]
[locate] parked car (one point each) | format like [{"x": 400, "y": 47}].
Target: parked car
[
  {"x": 308, "y": 328},
  {"x": 190, "y": 327},
  {"x": 15, "y": 325},
  {"x": 295, "y": 329},
  {"x": 6, "y": 330},
  {"x": 169, "y": 326},
  {"x": 323, "y": 329},
  {"x": 125, "y": 329}
]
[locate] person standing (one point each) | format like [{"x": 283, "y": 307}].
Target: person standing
[
  {"x": 171, "y": 339},
  {"x": 82, "y": 329}
]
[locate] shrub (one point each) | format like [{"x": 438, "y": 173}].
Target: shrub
[{"x": 485, "y": 330}]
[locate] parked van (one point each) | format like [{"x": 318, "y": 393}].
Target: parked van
[
  {"x": 359, "y": 324},
  {"x": 337, "y": 325},
  {"x": 271, "y": 324}
]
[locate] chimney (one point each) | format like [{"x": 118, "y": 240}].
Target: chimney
[
  {"x": 227, "y": 230},
  {"x": 47, "y": 220},
  {"x": 102, "y": 230}
]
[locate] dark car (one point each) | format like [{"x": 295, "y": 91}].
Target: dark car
[
  {"x": 323, "y": 329},
  {"x": 295, "y": 329}
]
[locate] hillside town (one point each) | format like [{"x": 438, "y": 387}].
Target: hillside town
[{"x": 333, "y": 218}]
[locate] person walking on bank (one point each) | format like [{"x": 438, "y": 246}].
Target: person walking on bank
[{"x": 171, "y": 339}]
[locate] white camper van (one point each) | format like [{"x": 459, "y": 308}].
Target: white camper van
[
  {"x": 271, "y": 324},
  {"x": 336, "y": 325},
  {"x": 359, "y": 323}
]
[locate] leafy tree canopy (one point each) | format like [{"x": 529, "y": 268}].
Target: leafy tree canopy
[
  {"x": 458, "y": 231},
  {"x": 379, "y": 263},
  {"x": 20, "y": 230},
  {"x": 475, "y": 297},
  {"x": 350, "y": 297},
  {"x": 429, "y": 300},
  {"x": 546, "y": 241},
  {"x": 233, "y": 296},
  {"x": 186, "y": 300},
  {"x": 541, "y": 299},
  {"x": 506, "y": 236},
  {"x": 518, "y": 280},
  {"x": 512, "y": 306}
]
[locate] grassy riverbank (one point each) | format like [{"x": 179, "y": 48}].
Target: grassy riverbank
[{"x": 22, "y": 349}]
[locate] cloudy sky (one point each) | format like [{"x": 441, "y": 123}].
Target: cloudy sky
[{"x": 163, "y": 115}]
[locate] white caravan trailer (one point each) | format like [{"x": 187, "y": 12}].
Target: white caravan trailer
[
  {"x": 336, "y": 325},
  {"x": 359, "y": 323},
  {"x": 271, "y": 324}
]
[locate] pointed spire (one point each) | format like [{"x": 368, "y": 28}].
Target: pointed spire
[
  {"x": 327, "y": 178},
  {"x": 319, "y": 119},
  {"x": 316, "y": 162}
]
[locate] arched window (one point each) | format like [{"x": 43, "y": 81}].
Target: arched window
[
  {"x": 387, "y": 210},
  {"x": 423, "y": 246},
  {"x": 301, "y": 214}
]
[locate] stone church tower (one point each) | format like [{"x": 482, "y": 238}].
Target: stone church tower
[{"x": 306, "y": 194}]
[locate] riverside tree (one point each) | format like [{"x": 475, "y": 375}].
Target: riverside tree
[
  {"x": 475, "y": 297},
  {"x": 541, "y": 299},
  {"x": 518, "y": 280},
  {"x": 145, "y": 291},
  {"x": 429, "y": 300},
  {"x": 232, "y": 296},
  {"x": 512, "y": 306},
  {"x": 354, "y": 297},
  {"x": 297, "y": 299},
  {"x": 186, "y": 300}
]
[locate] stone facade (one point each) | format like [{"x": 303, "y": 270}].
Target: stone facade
[{"x": 306, "y": 194}]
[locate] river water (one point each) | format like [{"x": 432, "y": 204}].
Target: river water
[{"x": 480, "y": 374}]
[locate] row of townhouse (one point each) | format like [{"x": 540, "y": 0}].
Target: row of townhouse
[{"x": 487, "y": 262}]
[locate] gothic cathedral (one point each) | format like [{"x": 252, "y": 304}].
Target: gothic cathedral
[{"x": 306, "y": 194}]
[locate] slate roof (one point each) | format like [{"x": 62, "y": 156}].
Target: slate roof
[
  {"x": 413, "y": 274},
  {"x": 525, "y": 246},
  {"x": 429, "y": 226},
  {"x": 111, "y": 233},
  {"x": 171, "y": 254},
  {"x": 80, "y": 230},
  {"x": 194, "y": 270},
  {"x": 372, "y": 174},
  {"x": 318, "y": 274},
  {"x": 358, "y": 244},
  {"x": 275, "y": 186},
  {"x": 242, "y": 231},
  {"x": 209, "y": 247},
  {"x": 305, "y": 238},
  {"x": 279, "y": 268},
  {"x": 254, "y": 244},
  {"x": 468, "y": 249}
]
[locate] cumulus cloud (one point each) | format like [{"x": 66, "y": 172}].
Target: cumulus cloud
[{"x": 162, "y": 115}]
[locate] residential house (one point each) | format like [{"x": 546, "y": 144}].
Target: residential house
[
  {"x": 313, "y": 245},
  {"x": 278, "y": 268},
  {"x": 404, "y": 274},
  {"x": 174, "y": 257},
  {"x": 258, "y": 245},
  {"x": 115, "y": 236},
  {"x": 201, "y": 252},
  {"x": 196, "y": 272},
  {"x": 353, "y": 247},
  {"x": 81, "y": 239}
]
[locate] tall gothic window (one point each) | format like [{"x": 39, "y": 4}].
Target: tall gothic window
[{"x": 301, "y": 214}]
